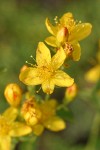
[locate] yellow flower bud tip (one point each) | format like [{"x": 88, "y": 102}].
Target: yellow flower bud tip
[
  {"x": 13, "y": 94},
  {"x": 24, "y": 68},
  {"x": 71, "y": 92},
  {"x": 31, "y": 112},
  {"x": 62, "y": 35}
]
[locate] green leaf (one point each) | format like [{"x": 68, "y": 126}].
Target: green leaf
[
  {"x": 28, "y": 143},
  {"x": 27, "y": 146},
  {"x": 65, "y": 114}
]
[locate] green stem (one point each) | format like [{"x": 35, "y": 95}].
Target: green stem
[
  {"x": 47, "y": 96},
  {"x": 91, "y": 145}
]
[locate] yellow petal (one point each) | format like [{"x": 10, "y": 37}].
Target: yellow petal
[
  {"x": 76, "y": 52},
  {"x": 52, "y": 29},
  {"x": 55, "y": 124},
  {"x": 51, "y": 40},
  {"x": 38, "y": 129},
  {"x": 66, "y": 18},
  {"x": 48, "y": 108},
  {"x": 48, "y": 86},
  {"x": 58, "y": 59},
  {"x": 62, "y": 79},
  {"x": 80, "y": 32},
  {"x": 30, "y": 76},
  {"x": 51, "y": 103},
  {"x": 20, "y": 129},
  {"x": 43, "y": 56},
  {"x": 93, "y": 75},
  {"x": 11, "y": 114},
  {"x": 5, "y": 143}
]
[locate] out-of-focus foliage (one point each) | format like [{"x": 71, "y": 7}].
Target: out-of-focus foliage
[{"x": 21, "y": 28}]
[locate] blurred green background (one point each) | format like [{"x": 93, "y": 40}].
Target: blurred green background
[{"x": 22, "y": 26}]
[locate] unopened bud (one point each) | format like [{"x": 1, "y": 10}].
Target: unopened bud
[
  {"x": 31, "y": 112},
  {"x": 13, "y": 94},
  {"x": 62, "y": 35},
  {"x": 24, "y": 68},
  {"x": 71, "y": 93}
]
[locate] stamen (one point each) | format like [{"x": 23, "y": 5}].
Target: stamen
[
  {"x": 38, "y": 90},
  {"x": 56, "y": 19},
  {"x": 33, "y": 58},
  {"x": 29, "y": 63}
]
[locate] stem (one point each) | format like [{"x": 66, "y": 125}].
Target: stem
[
  {"x": 91, "y": 145},
  {"x": 47, "y": 96}
]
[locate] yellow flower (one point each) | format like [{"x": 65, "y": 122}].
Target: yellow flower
[
  {"x": 9, "y": 128},
  {"x": 93, "y": 75},
  {"x": 13, "y": 94},
  {"x": 31, "y": 112},
  {"x": 47, "y": 119},
  {"x": 47, "y": 70},
  {"x": 67, "y": 33}
]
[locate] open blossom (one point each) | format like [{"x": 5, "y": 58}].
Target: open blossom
[
  {"x": 42, "y": 115},
  {"x": 10, "y": 128},
  {"x": 67, "y": 33},
  {"x": 47, "y": 71}
]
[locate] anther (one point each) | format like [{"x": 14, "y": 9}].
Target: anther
[
  {"x": 38, "y": 90},
  {"x": 28, "y": 63},
  {"x": 33, "y": 58},
  {"x": 56, "y": 19}
]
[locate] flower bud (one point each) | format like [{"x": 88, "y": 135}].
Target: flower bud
[
  {"x": 23, "y": 68},
  {"x": 13, "y": 94},
  {"x": 31, "y": 112},
  {"x": 71, "y": 93},
  {"x": 62, "y": 35}
]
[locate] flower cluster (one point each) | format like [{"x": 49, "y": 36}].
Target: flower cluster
[
  {"x": 29, "y": 112},
  {"x": 42, "y": 115},
  {"x": 27, "y": 117},
  {"x": 65, "y": 36}
]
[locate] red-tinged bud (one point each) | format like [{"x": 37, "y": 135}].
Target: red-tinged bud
[
  {"x": 71, "y": 93},
  {"x": 24, "y": 68},
  {"x": 62, "y": 35},
  {"x": 13, "y": 94}
]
